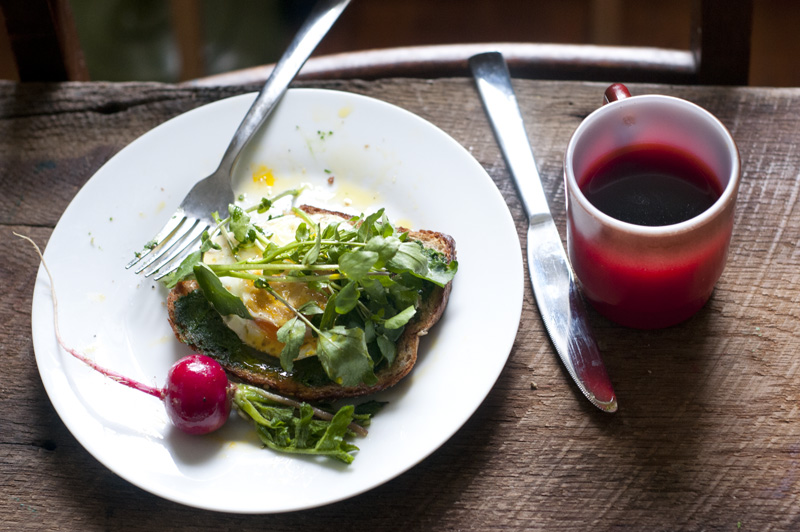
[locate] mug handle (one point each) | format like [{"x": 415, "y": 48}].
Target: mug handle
[{"x": 615, "y": 92}]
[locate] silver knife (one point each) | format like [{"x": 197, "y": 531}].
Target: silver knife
[{"x": 557, "y": 295}]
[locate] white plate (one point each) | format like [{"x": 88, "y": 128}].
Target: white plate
[{"x": 423, "y": 178}]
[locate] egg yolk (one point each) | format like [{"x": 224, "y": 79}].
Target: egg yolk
[{"x": 270, "y": 314}]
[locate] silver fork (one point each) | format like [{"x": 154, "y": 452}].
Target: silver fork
[{"x": 182, "y": 232}]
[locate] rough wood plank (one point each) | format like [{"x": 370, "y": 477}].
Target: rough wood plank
[{"x": 707, "y": 433}]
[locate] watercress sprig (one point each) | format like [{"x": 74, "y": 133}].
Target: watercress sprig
[{"x": 374, "y": 278}]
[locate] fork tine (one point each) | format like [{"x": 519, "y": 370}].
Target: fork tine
[
  {"x": 172, "y": 224},
  {"x": 177, "y": 235},
  {"x": 185, "y": 244},
  {"x": 174, "y": 262}
]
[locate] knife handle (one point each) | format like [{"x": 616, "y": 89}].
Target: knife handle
[{"x": 494, "y": 84}]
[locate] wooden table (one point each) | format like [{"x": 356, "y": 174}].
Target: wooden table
[{"x": 708, "y": 432}]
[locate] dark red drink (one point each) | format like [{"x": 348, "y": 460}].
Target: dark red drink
[
  {"x": 651, "y": 188},
  {"x": 640, "y": 278},
  {"x": 650, "y": 185}
]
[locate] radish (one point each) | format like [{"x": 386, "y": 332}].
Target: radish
[{"x": 198, "y": 396}]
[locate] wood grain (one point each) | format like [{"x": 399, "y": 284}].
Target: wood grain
[{"x": 708, "y": 432}]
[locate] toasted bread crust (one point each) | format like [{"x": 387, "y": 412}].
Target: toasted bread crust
[{"x": 427, "y": 315}]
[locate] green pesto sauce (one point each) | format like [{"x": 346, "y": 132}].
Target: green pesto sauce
[{"x": 202, "y": 326}]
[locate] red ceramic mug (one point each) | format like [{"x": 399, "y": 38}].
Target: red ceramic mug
[{"x": 651, "y": 187}]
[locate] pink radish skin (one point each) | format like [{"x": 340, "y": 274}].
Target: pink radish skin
[{"x": 197, "y": 395}]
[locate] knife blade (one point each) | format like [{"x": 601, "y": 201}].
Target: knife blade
[{"x": 557, "y": 296}]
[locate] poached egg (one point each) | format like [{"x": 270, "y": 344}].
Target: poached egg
[{"x": 269, "y": 314}]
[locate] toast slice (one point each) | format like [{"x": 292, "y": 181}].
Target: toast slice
[{"x": 192, "y": 328}]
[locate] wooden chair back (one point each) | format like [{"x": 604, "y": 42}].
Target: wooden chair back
[
  {"x": 45, "y": 47},
  {"x": 719, "y": 55}
]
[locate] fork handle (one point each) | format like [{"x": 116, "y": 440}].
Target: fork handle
[{"x": 314, "y": 28}]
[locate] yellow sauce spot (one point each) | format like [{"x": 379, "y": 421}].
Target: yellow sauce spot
[
  {"x": 356, "y": 197},
  {"x": 97, "y": 297},
  {"x": 344, "y": 112},
  {"x": 263, "y": 175},
  {"x": 161, "y": 340},
  {"x": 160, "y": 206}
]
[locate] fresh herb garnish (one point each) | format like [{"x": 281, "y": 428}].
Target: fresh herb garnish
[
  {"x": 294, "y": 429},
  {"x": 373, "y": 275},
  {"x": 220, "y": 298}
]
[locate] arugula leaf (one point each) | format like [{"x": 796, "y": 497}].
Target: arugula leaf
[
  {"x": 369, "y": 332},
  {"x": 331, "y": 230},
  {"x": 367, "y": 227},
  {"x": 401, "y": 318},
  {"x": 422, "y": 262},
  {"x": 220, "y": 298},
  {"x": 271, "y": 249},
  {"x": 291, "y": 334},
  {"x": 344, "y": 356},
  {"x": 385, "y": 228},
  {"x": 296, "y": 431},
  {"x": 183, "y": 271},
  {"x": 391, "y": 334},
  {"x": 347, "y": 299},
  {"x": 356, "y": 264},
  {"x": 386, "y": 248},
  {"x": 302, "y": 428},
  {"x": 387, "y": 348},
  {"x": 440, "y": 271},
  {"x": 206, "y": 243},
  {"x": 329, "y": 314},
  {"x": 264, "y": 205},
  {"x": 410, "y": 258},
  {"x": 405, "y": 290},
  {"x": 332, "y": 440},
  {"x": 313, "y": 254},
  {"x": 375, "y": 290},
  {"x": 243, "y": 231},
  {"x": 186, "y": 267},
  {"x": 301, "y": 233},
  {"x": 310, "y": 309}
]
